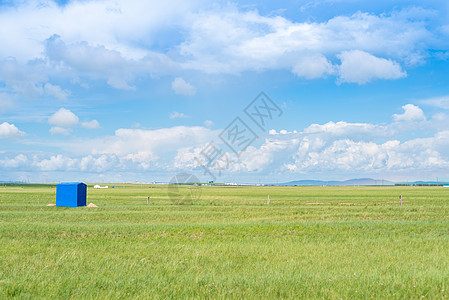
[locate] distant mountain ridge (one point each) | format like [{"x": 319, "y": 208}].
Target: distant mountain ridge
[{"x": 350, "y": 182}]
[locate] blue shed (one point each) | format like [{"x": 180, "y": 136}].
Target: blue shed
[{"x": 71, "y": 194}]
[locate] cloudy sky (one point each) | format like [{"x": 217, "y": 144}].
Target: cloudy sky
[{"x": 113, "y": 91}]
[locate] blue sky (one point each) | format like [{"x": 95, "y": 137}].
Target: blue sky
[{"x": 113, "y": 91}]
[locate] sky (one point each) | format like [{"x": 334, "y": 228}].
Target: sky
[{"x": 230, "y": 91}]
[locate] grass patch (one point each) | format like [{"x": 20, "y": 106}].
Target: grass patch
[{"x": 356, "y": 243}]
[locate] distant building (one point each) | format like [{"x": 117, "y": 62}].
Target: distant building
[{"x": 100, "y": 187}]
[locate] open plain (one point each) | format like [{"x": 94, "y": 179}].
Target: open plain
[{"x": 309, "y": 242}]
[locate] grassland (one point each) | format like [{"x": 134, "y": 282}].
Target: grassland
[{"x": 310, "y": 242}]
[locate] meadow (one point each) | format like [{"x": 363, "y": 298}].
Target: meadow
[{"x": 308, "y": 243}]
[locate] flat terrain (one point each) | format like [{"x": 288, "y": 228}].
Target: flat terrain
[{"x": 310, "y": 242}]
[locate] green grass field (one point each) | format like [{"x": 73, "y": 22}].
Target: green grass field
[{"x": 310, "y": 242}]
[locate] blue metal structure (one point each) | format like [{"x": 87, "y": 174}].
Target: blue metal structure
[{"x": 71, "y": 194}]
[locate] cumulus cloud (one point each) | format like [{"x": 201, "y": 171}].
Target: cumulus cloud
[
  {"x": 361, "y": 67},
  {"x": 225, "y": 39},
  {"x": 231, "y": 41},
  {"x": 56, "y": 162},
  {"x": 181, "y": 87},
  {"x": 178, "y": 115},
  {"x": 29, "y": 79},
  {"x": 336, "y": 148},
  {"x": 333, "y": 148},
  {"x": 63, "y": 118},
  {"x": 313, "y": 67},
  {"x": 94, "y": 124},
  {"x": 369, "y": 156},
  {"x": 345, "y": 154},
  {"x": 86, "y": 164},
  {"x": 10, "y": 131},
  {"x": 89, "y": 163},
  {"x": 411, "y": 113},
  {"x": 270, "y": 153},
  {"x": 125, "y": 24},
  {"x": 99, "y": 163},
  {"x": 14, "y": 163},
  {"x": 98, "y": 61},
  {"x": 301, "y": 153},
  {"x": 128, "y": 149},
  {"x": 94, "y": 61},
  {"x": 143, "y": 159},
  {"x": 158, "y": 141}
]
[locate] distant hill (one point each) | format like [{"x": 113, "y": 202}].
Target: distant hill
[{"x": 360, "y": 181}]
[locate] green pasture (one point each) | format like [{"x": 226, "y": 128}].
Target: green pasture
[{"x": 308, "y": 243}]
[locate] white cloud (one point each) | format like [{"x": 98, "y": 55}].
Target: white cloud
[
  {"x": 178, "y": 115},
  {"x": 13, "y": 163},
  {"x": 267, "y": 155},
  {"x": 361, "y": 67},
  {"x": 94, "y": 124},
  {"x": 56, "y": 91},
  {"x": 180, "y": 86},
  {"x": 93, "y": 61},
  {"x": 97, "y": 61},
  {"x": 308, "y": 154},
  {"x": 87, "y": 163},
  {"x": 59, "y": 130},
  {"x": 57, "y": 162},
  {"x": 158, "y": 142},
  {"x": 142, "y": 158},
  {"x": 341, "y": 154},
  {"x": 186, "y": 157},
  {"x": 313, "y": 66},
  {"x": 334, "y": 149},
  {"x": 368, "y": 156},
  {"x": 231, "y": 41},
  {"x": 63, "y": 118},
  {"x": 411, "y": 113},
  {"x": 100, "y": 163},
  {"x": 10, "y": 131},
  {"x": 128, "y": 150},
  {"x": 125, "y": 24},
  {"x": 19, "y": 78},
  {"x": 342, "y": 128},
  {"x": 211, "y": 39}
]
